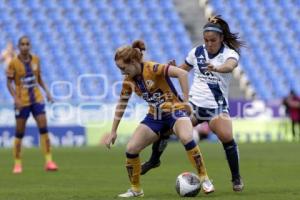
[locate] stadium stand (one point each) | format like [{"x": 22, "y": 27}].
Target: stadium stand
[
  {"x": 272, "y": 33},
  {"x": 79, "y": 37}
]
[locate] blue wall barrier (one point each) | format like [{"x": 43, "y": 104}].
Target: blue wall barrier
[{"x": 67, "y": 136}]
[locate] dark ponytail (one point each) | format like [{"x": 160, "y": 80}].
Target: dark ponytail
[{"x": 230, "y": 39}]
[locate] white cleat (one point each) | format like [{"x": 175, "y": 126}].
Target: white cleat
[
  {"x": 207, "y": 186},
  {"x": 131, "y": 193}
]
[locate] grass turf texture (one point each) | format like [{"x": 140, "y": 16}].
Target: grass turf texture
[{"x": 270, "y": 171}]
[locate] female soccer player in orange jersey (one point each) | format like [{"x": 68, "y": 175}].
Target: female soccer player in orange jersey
[
  {"x": 151, "y": 81},
  {"x": 23, "y": 81}
]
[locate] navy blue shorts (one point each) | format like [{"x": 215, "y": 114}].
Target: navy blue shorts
[
  {"x": 165, "y": 123},
  {"x": 36, "y": 109},
  {"x": 206, "y": 114}
]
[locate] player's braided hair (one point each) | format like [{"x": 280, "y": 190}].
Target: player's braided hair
[
  {"x": 131, "y": 53},
  {"x": 230, "y": 39}
]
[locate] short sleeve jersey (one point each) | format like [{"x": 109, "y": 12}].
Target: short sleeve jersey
[
  {"x": 25, "y": 76},
  {"x": 155, "y": 87},
  {"x": 210, "y": 89}
]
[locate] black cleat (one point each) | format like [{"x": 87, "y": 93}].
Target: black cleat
[
  {"x": 146, "y": 166},
  {"x": 237, "y": 184}
]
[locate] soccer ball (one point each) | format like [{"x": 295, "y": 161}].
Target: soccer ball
[{"x": 188, "y": 184}]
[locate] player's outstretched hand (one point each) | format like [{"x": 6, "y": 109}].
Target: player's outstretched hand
[
  {"x": 210, "y": 67},
  {"x": 172, "y": 62},
  {"x": 189, "y": 109},
  {"x": 49, "y": 98},
  {"x": 111, "y": 139},
  {"x": 18, "y": 103}
]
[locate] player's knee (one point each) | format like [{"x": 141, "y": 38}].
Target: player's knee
[
  {"x": 185, "y": 138},
  {"x": 19, "y": 135},
  {"x": 133, "y": 148},
  {"x": 43, "y": 130},
  {"x": 225, "y": 137}
]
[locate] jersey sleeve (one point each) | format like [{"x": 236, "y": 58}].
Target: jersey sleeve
[
  {"x": 10, "y": 71},
  {"x": 127, "y": 89},
  {"x": 190, "y": 59},
  {"x": 159, "y": 69},
  {"x": 233, "y": 55}
]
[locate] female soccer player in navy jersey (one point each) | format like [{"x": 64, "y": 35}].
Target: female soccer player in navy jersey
[{"x": 213, "y": 62}]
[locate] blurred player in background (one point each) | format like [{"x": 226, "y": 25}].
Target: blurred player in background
[
  {"x": 167, "y": 111},
  {"x": 201, "y": 132},
  {"x": 7, "y": 54},
  {"x": 213, "y": 63},
  {"x": 292, "y": 104},
  {"x": 23, "y": 81}
]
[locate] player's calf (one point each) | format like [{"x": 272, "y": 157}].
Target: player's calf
[{"x": 146, "y": 166}]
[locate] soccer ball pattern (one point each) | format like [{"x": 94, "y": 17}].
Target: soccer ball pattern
[{"x": 188, "y": 184}]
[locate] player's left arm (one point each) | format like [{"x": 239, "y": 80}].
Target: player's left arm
[
  {"x": 182, "y": 76},
  {"x": 227, "y": 67},
  {"x": 44, "y": 86}
]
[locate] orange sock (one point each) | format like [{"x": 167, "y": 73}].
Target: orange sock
[
  {"x": 17, "y": 150},
  {"x": 195, "y": 157},
  {"x": 46, "y": 147},
  {"x": 133, "y": 165}
]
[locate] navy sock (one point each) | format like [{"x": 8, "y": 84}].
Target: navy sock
[
  {"x": 158, "y": 148},
  {"x": 190, "y": 145},
  {"x": 232, "y": 156}
]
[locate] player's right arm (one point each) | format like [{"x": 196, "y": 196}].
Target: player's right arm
[
  {"x": 184, "y": 66},
  {"x": 120, "y": 109},
  {"x": 10, "y": 74},
  {"x": 189, "y": 61}
]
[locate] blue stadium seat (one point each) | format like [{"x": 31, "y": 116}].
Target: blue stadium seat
[
  {"x": 81, "y": 36},
  {"x": 262, "y": 25}
]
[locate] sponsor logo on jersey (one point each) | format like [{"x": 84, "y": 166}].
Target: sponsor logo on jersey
[
  {"x": 149, "y": 84},
  {"x": 154, "y": 99},
  {"x": 155, "y": 68}
]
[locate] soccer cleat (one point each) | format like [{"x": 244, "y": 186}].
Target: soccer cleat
[
  {"x": 237, "y": 185},
  {"x": 51, "y": 166},
  {"x": 17, "y": 169},
  {"x": 131, "y": 193},
  {"x": 207, "y": 186},
  {"x": 148, "y": 165}
]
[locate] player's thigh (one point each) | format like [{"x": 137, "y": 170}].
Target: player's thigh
[
  {"x": 41, "y": 120},
  {"x": 21, "y": 116},
  {"x": 183, "y": 128},
  {"x": 141, "y": 138},
  {"x": 194, "y": 120},
  {"x": 20, "y": 124},
  {"x": 221, "y": 125}
]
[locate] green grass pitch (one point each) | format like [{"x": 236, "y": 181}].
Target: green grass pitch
[{"x": 270, "y": 171}]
